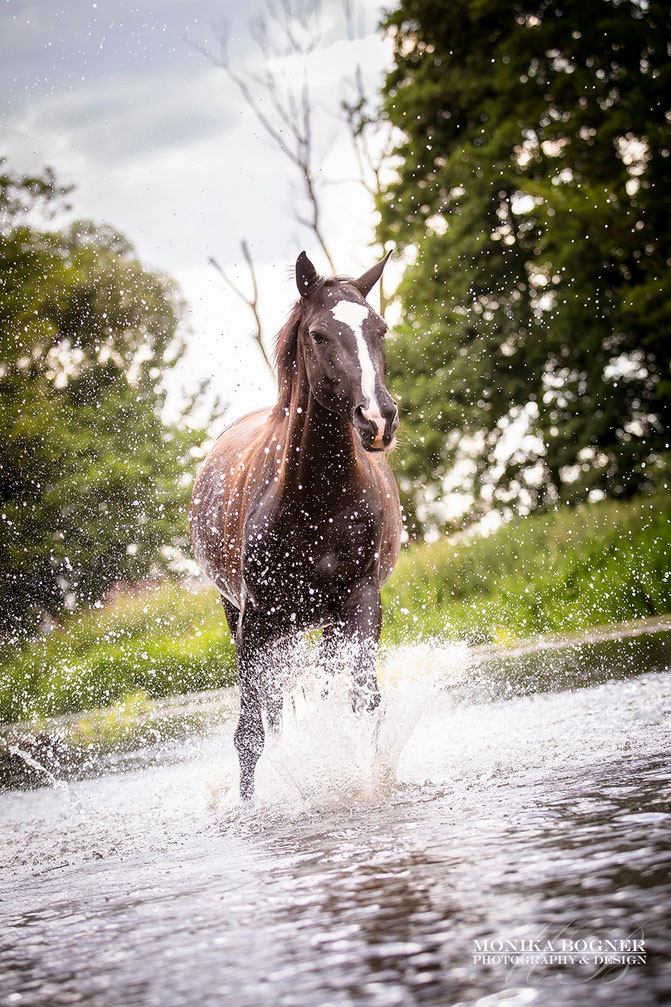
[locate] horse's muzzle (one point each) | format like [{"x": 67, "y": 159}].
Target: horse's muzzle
[{"x": 377, "y": 430}]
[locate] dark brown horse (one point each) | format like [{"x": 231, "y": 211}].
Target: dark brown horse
[{"x": 295, "y": 513}]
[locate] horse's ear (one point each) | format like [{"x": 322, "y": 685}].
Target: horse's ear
[
  {"x": 307, "y": 276},
  {"x": 367, "y": 280}
]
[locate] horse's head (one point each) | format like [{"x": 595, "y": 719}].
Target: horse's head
[{"x": 341, "y": 340}]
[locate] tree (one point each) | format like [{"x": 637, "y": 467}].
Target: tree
[
  {"x": 92, "y": 478},
  {"x": 282, "y": 101},
  {"x": 533, "y": 202}
]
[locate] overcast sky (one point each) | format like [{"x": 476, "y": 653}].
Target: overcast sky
[{"x": 158, "y": 143}]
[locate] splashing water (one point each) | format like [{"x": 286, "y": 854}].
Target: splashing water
[
  {"x": 326, "y": 754},
  {"x": 30, "y": 760}
]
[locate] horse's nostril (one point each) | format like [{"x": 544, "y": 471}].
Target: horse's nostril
[{"x": 363, "y": 420}]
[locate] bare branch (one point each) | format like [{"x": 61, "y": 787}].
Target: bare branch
[
  {"x": 251, "y": 302},
  {"x": 372, "y": 143},
  {"x": 283, "y": 105},
  {"x": 279, "y": 32},
  {"x": 361, "y": 124}
]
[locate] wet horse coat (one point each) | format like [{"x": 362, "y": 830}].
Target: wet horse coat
[{"x": 295, "y": 513}]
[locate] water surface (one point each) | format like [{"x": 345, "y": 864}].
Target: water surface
[{"x": 369, "y": 863}]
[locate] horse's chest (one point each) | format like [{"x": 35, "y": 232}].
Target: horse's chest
[{"x": 296, "y": 562}]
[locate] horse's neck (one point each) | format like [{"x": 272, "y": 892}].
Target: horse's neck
[{"x": 320, "y": 454}]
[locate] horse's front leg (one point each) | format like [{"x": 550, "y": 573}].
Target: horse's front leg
[
  {"x": 253, "y": 643},
  {"x": 273, "y": 702},
  {"x": 359, "y": 628}
]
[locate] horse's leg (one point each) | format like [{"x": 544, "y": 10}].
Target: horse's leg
[
  {"x": 273, "y": 702},
  {"x": 330, "y": 647},
  {"x": 360, "y": 631},
  {"x": 249, "y": 735}
]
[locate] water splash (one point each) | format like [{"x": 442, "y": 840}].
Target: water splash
[
  {"x": 328, "y": 756},
  {"x": 535, "y": 805},
  {"x": 32, "y": 762}
]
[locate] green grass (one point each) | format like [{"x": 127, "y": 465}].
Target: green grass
[
  {"x": 557, "y": 572},
  {"x": 164, "y": 641}
]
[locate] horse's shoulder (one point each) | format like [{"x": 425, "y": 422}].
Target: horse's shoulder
[{"x": 379, "y": 468}]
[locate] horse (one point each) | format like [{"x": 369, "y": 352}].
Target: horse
[{"x": 295, "y": 514}]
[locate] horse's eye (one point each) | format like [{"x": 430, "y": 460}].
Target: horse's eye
[{"x": 318, "y": 338}]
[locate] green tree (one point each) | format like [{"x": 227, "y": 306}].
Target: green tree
[
  {"x": 92, "y": 477},
  {"x": 533, "y": 198}
]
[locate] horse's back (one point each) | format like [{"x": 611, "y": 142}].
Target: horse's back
[{"x": 237, "y": 442}]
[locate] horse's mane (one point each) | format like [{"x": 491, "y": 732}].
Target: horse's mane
[
  {"x": 286, "y": 349},
  {"x": 286, "y": 344}
]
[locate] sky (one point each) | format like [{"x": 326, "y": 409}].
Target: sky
[{"x": 118, "y": 99}]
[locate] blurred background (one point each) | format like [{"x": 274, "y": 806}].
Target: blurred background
[{"x": 164, "y": 165}]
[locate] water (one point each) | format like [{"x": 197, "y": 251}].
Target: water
[{"x": 369, "y": 864}]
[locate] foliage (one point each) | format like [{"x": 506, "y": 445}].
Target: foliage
[
  {"x": 533, "y": 199},
  {"x": 549, "y": 573},
  {"x": 92, "y": 476},
  {"x": 571, "y": 569},
  {"x": 164, "y": 641}
]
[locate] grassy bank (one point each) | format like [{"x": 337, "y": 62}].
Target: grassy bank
[
  {"x": 565, "y": 571},
  {"x": 164, "y": 641},
  {"x": 557, "y": 572}
]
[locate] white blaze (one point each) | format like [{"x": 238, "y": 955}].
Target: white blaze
[{"x": 354, "y": 315}]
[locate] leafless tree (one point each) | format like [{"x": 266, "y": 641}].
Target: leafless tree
[
  {"x": 372, "y": 141},
  {"x": 281, "y": 31},
  {"x": 252, "y": 302},
  {"x": 285, "y": 109}
]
